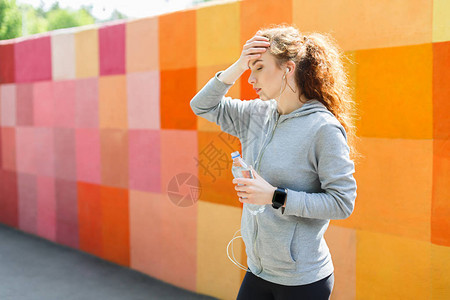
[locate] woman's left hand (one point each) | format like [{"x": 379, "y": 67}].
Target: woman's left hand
[{"x": 256, "y": 190}]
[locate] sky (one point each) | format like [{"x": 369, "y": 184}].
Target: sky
[{"x": 102, "y": 9}]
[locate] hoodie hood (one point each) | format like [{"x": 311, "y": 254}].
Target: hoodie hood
[{"x": 310, "y": 107}]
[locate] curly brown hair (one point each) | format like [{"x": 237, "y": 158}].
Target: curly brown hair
[{"x": 320, "y": 72}]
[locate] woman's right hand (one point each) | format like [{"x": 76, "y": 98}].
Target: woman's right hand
[{"x": 253, "y": 49}]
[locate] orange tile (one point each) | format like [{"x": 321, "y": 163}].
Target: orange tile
[
  {"x": 384, "y": 261},
  {"x": 214, "y": 167},
  {"x": 204, "y": 74},
  {"x": 220, "y": 20},
  {"x": 363, "y": 25},
  {"x": 177, "y": 40},
  {"x": 440, "y": 208},
  {"x": 142, "y": 51},
  {"x": 113, "y": 102},
  {"x": 215, "y": 227},
  {"x": 342, "y": 244},
  {"x": 256, "y": 14},
  {"x": 394, "y": 188},
  {"x": 115, "y": 225},
  {"x": 146, "y": 239},
  {"x": 177, "y": 90},
  {"x": 86, "y": 53},
  {"x": 441, "y": 90},
  {"x": 114, "y": 157},
  {"x": 90, "y": 218},
  {"x": 394, "y": 92}
]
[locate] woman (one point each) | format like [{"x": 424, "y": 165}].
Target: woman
[{"x": 295, "y": 136}]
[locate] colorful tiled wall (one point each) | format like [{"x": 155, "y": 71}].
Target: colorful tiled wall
[{"x": 100, "y": 149}]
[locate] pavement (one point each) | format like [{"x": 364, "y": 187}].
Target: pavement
[{"x": 33, "y": 268}]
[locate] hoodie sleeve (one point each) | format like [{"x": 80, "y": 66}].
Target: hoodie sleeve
[
  {"x": 232, "y": 115},
  {"x": 329, "y": 154}
]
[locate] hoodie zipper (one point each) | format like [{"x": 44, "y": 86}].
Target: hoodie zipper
[
  {"x": 256, "y": 219},
  {"x": 258, "y": 160}
]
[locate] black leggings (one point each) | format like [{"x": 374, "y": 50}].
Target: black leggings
[{"x": 254, "y": 287}]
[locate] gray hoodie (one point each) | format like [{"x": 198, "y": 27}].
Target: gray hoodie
[{"x": 304, "y": 151}]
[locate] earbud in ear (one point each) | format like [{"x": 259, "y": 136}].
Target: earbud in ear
[{"x": 287, "y": 70}]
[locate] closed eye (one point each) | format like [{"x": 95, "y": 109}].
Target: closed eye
[{"x": 259, "y": 68}]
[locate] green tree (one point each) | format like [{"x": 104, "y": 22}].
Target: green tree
[{"x": 10, "y": 20}]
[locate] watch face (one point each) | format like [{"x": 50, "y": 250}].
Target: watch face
[{"x": 279, "y": 198}]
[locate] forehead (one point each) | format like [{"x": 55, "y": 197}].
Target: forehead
[{"x": 266, "y": 57}]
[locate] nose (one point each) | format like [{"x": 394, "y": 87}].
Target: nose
[{"x": 251, "y": 79}]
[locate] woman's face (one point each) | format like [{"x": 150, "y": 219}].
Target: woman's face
[{"x": 266, "y": 76}]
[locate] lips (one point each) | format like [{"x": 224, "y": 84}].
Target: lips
[{"x": 257, "y": 90}]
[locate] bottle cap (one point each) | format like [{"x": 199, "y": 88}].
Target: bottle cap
[{"x": 235, "y": 154}]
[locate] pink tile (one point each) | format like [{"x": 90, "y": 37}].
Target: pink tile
[
  {"x": 66, "y": 213},
  {"x": 43, "y": 103},
  {"x": 46, "y": 207},
  {"x": 65, "y": 159},
  {"x": 24, "y": 104},
  {"x": 112, "y": 49},
  {"x": 144, "y": 160},
  {"x": 9, "y": 200},
  {"x": 25, "y": 150},
  {"x": 27, "y": 202},
  {"x": 8, "y": 148},
  {"x": 86, "y": 103},
  {"x": 143, "y": 100},
  {"x": 33, "y": 59},
  {"x": 64, "y": 101},
  {"x": 8, "y": 104},
  {"x": 44, "y": 140},
  {"x": 88, "y": 162}
]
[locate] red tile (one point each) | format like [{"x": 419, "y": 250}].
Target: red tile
[
  {"x": 112, "y": 49},
  {"x": 8, "y": 148},
  {"x": 33, "y": 61},
  {"x": 7, "y": 67},
  {"x": 9, "y": 200}
]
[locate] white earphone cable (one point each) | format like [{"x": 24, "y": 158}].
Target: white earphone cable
[{"x": 233, "y": 258}]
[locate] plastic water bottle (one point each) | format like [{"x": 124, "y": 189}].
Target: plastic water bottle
[{"x": 241, "y": 170}]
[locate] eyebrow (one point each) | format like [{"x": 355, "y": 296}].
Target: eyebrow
[{"x": 253, "y": 64}]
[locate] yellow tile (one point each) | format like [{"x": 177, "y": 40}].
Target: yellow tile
[
  {"x": 218, "y": 34},
  {"x": 441, "y": 20},
  {"x": 394, "y": 181},
  {"x": 394, "y": 92},
  {"x": 390, "y": 267},
  {"x": 86, "y": 53},
  {"x": 216, "y": 274},
  {"x": 113, "y": 102},
  {"x": 440, "y": 270},
  {"x": 366, "y": 24}
]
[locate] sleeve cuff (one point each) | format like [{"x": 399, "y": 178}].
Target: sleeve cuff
[
  {"x": 221, "y": 82},
  {"x": 294, "y": 203}
]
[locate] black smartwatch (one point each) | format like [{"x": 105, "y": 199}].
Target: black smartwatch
[{"x": 279, "y": 197}]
